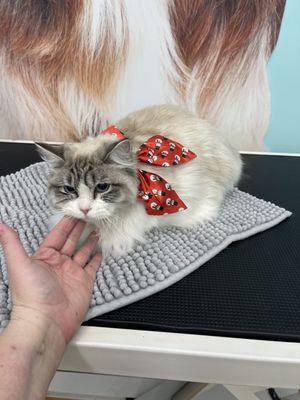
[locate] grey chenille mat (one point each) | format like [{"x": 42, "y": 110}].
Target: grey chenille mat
[{"x": 166, "y": 257}]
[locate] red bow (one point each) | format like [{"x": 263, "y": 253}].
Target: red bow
[{"x": 157, "y": 194}]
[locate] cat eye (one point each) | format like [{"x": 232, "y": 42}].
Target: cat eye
[
  {"x": 69, "y": 189},
  {"x": 102, "y": 187}
]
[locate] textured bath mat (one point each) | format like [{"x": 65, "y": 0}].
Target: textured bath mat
[{"x": 166, "y": 257}]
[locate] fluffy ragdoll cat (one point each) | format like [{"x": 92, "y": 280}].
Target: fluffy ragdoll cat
[{"x": 96, "y": 180}]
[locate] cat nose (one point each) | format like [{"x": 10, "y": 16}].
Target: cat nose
[{"x": 85, "y": 210}]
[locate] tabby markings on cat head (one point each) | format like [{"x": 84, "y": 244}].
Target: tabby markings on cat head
[{"x": 92, "y": 180}]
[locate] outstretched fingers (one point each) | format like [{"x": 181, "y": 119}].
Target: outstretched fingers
[
  {"x": 93, "y": 266},
  {"x": 82, "y": 256},
  {"x": 60, "y": 233},
  {"x": 71, "y": 243},
  {"x": 13, "y": 250}
]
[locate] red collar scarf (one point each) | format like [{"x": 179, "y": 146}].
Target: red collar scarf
[{"x": 157, "y": 194}]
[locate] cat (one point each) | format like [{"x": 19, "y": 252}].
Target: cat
[{"x": 96, "y": 180}]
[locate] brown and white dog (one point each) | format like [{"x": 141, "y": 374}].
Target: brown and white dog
[{"x": 69, "y": 66}]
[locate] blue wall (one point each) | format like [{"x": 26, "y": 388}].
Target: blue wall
[{"x": 284, "y": 77}]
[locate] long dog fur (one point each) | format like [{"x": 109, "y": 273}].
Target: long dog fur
[{"x": 70, "y": 67}]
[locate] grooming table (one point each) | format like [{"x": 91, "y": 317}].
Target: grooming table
[{"x": 234, "y": 320}]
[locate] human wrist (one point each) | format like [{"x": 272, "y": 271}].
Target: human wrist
[
  {"x": 31, "y": 346},
  {"x": 35, "y": 331}
]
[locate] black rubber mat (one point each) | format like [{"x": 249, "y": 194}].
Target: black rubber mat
[{"x": 250, "y": 290}]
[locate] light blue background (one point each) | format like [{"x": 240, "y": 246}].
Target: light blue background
[{"x": 284, "y": 78}]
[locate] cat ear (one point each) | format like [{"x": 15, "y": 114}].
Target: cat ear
[
  {"x": 121, "y": 153},
  {"x": 52, "y": 153}
]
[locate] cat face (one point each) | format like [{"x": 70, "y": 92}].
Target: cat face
[{"x": 94, "y": 180}]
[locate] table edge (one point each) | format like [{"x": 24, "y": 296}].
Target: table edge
[{"x": 186, "y": 357}]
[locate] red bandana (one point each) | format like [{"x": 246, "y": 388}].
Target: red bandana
[{"x": 157, "y": 194}]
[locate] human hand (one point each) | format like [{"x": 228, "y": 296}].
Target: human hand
[{"x": 54, "y": 285}]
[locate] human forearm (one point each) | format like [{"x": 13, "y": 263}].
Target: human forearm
[
  {"x": 30, "y": 350},
  {"x": 50, "y": 293}
]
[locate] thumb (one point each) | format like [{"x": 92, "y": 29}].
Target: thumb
[{"x": 12, "y": 247}]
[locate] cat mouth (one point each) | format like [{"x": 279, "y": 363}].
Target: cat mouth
[{"x": 86, "y": 218}]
